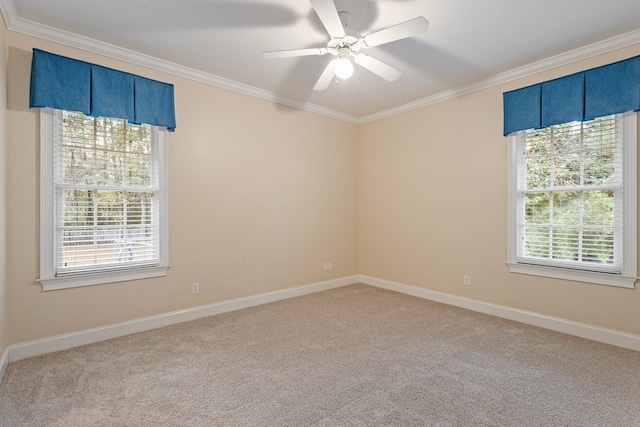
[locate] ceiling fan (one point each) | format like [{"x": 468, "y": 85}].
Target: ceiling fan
[{"x": 346, "y": 42}]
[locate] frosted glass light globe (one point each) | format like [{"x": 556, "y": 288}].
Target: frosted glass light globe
[{"x": 344, "y": 68}]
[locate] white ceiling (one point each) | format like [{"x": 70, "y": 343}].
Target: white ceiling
[{"x": 469, "y": 41}]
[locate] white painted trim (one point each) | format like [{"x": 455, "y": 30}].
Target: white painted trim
[
  {"x": 9, "y": 12},
  {"x": 583, "y": 330},
  {"x": 49, "y": 118},
  {"x": 593, "y": 277},
  {"x": 630, "y": 172},
  {"x": 20, "y": 25},
  {"x": 47, "y": 191},
  {"x": 4, "y": 361},
  {"x": 161, "y": 152},
  {"x": 88, "y": 336},
  {"x": 589, "y": 51},
  {"x": 515, "y": 206},
  {"x": 100, "y": 278}
]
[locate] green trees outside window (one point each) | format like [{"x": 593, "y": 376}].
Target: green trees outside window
[
  {"x": 107, "y": 192},
  {"x": 572, "y": 175}
]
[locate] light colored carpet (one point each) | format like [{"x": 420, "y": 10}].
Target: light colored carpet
[{"x": 354, "y": 356}]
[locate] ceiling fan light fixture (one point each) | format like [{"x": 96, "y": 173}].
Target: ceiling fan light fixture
[
  {"x": 344, "y": 68},
  {"x": 345, "y": 43}
]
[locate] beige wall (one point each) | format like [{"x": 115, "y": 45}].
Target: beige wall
[
  {"x": 433, "y": 205},
  {"x": 4, "y": 328},
  {"x": 260, "y": 196}
]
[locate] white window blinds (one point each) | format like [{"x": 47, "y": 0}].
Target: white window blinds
[
  {"x": 570, "y": 195},
  {"x": 105, "y": 194}
]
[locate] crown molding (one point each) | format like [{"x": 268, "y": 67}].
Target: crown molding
[
  {"x": 9, "y": 12},
  {"x": 20, "y": 25},
  {"x": 598, "y": 48},
  {"x": 31, "y": 28}
]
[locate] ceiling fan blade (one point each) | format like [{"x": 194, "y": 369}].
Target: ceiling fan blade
[
  {"x": 406, "y": 29},
  {"x": 295, "y": 52},
  {"x": 378, "y": 67},
  {"x": 327, "y": 75},
  {"x": 328, "y": 14}
]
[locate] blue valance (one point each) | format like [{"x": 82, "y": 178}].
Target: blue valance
[
  {"x": 610, "y": 89},
  {"x": 69, "y": 84}
]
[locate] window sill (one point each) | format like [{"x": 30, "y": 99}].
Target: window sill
[
  {"x": 575, "y": 275},
  {"x": 75, "y": 281}
]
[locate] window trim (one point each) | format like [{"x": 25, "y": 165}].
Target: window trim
[
  {"x": 628, "y": 276},
  {"x": 48, "y": 277}
]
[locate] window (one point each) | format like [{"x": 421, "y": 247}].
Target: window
[
  {"x": 103, "y": 200},
  {"x": 572, "y": 201}
]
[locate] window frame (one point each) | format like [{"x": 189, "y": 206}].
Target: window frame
[
  {"x": 48, "y": 276},
  {"x": 627, "y": 277}
]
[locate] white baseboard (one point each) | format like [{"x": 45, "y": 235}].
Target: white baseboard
[
  {"x": 75, "y": 339},
  {"x": 4, "y": 361},
  {"x": 88, "y": 336},
  {"x": 583, "y": 330}
]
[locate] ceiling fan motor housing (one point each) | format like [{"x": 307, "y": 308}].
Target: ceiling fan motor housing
[{"x": 351, "y": 39}]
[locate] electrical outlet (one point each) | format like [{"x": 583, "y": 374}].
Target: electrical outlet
[
  {"x": 466, "y": 280},
  {"x": 330, "y": 266},
  {"x": 327, "y": 266},
  {"x": 195, "y": 287}
]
